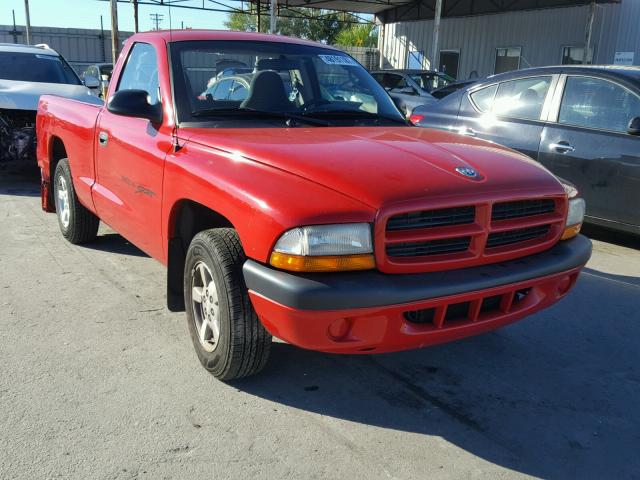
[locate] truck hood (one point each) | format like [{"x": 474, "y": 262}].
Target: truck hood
[
  {"x": 17, "y": 95},
  {"x": 379, "y": 166}
]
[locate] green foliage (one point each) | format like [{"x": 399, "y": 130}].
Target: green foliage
[
  {"x": 362, "y": 35},
  {"x": 308, "y": 23}
]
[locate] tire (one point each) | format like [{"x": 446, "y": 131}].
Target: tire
[
  {"x": 77, "y": 223},
  {"x": 233, "y": 344}
]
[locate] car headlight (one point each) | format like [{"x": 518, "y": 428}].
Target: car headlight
[
  {"x": 325, "y": 248},
  {"x": 575, "y": 213}
]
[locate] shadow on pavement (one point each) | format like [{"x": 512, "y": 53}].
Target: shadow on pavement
[
  {"x": 603, "y": 234},
  {"x": 114, "y": 243},
  {"x": 553, "y": 396},
  {"x": 627, "y": 279},
  {"x": 25, "y": 183}
]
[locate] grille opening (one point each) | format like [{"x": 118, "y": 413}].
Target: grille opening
[
  {"x": 522, "y": 208},
  {"x": 430, "y": 247},
  {"x": 515, "y": 236},
  {"x": 421, "y": 316},
  {"x": 457, "y": 311},
  {"x": 432, "y": 218},
  {"x": 490, "y": 304}
]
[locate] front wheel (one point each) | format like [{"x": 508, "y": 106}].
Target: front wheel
[
  {"x": 77, "y": 223},
  {"x": 227, "y": 335}
]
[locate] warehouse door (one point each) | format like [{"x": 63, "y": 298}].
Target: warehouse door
[{"x": 449, "y": 62}]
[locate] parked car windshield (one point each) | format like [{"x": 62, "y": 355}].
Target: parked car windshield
[
  {"x": 275, "y": 83},
  {"x": 30, "y": 67},
  {"x": 431, "y": 81}
]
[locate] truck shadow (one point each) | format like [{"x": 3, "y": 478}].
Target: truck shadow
[
  {"x": 554, "y": 396},
  {"x": 114, "y": 243},
  {"x": 24, "y": 183}
]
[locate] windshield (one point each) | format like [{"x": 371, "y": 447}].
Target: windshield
[
  {"x": 431, "y": 81},
  {"x": 30, "y": 67},
  {"x": 272, "y": 83}
]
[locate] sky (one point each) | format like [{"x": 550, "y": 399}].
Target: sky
[{"x": 86, "y": 14}]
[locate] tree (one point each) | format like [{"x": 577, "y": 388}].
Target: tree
[
  {"x": 308, "y": 23},
  {"x": 361, "y": 35}
]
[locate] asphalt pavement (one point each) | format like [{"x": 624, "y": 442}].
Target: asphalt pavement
[{"x": 99, "y": 381}]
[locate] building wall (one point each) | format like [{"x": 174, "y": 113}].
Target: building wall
[
  {"x": 79, "y": 46},
  {"x": 540, "y": 33},
  {"x": 368, "y": 57}
]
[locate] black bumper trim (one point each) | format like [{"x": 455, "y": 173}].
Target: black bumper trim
[{"x": 338, "y": 291}]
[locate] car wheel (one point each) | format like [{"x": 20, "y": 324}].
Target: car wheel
[
  {"x": 227, "y": 335},
  {"x": 77, "y": 223}
]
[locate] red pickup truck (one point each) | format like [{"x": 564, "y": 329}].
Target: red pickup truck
[{"x": 287, "y": 196}]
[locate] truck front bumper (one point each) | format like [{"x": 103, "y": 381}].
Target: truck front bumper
[{"x": 372, "y": 312}]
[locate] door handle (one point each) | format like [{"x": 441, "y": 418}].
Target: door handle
[
  {"x": 103, "y": 138},
  {"x": 562, "y": 147}
]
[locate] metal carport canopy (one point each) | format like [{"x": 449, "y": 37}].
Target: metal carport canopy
[{"x": 427, "y": 8}]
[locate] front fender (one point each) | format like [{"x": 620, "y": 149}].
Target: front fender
[{"x": 260, "y": 201}]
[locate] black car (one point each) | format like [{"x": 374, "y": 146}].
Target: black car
[{"x": 581, "y": 122}]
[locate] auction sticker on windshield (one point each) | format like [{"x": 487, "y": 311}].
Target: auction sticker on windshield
[{"x": 338, "y": 60}]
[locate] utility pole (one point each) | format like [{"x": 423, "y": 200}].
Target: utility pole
[
  {"x": 104, "y": 55},
  {"x": 26, "y": 12},
  {"x": 135, "y": 16},
  {"x": 156, "y": 18},
  {"x": 436, "y": 34},
  {"x": 114, "y": 31},
  {"x": 273, "y": 16},
  {"x": 14, "y": 32},
  {"x": 258, "y": 26},
  {"x": 589, "y": 30}
]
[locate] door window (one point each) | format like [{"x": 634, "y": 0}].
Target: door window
[
  {"x": 483, "y": 98},
  {"x": 141, "y": 71},
  {"x": 507, "y": 59},
  {"x": 522, "y": 98},
  {"x": 597, "y": 103},
  {"x": 391, "y": 81}
]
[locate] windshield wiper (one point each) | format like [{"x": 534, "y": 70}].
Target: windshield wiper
[
  {"x": 355, "y": 114},
  {"x": 250, "y": 112}
]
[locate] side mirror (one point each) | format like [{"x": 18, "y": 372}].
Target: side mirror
[
  {"x": 634, "y": 126},
  {"x": 135, "y": 103},
  {"x": 91, "y": 82}
]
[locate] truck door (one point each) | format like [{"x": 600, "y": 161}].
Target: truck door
[
  {"x": 586, "y": 142},
  {"x": 130, "y": 155}
]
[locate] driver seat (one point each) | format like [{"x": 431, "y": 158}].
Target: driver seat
[{"x": 267, "y": 93}]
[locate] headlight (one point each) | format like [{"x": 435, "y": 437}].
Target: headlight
[
  {"x": 575, "y": 217},
  {"x": 325, "y": 248}
]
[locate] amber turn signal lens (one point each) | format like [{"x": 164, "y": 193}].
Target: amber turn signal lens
[
  {"x": 571, "y": 231},
  {"x": 334, "y": 263}
]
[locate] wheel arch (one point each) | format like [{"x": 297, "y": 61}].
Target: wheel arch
[
  {"x": 187, "y": 218},
  {"x": 57, "y": 151}
]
